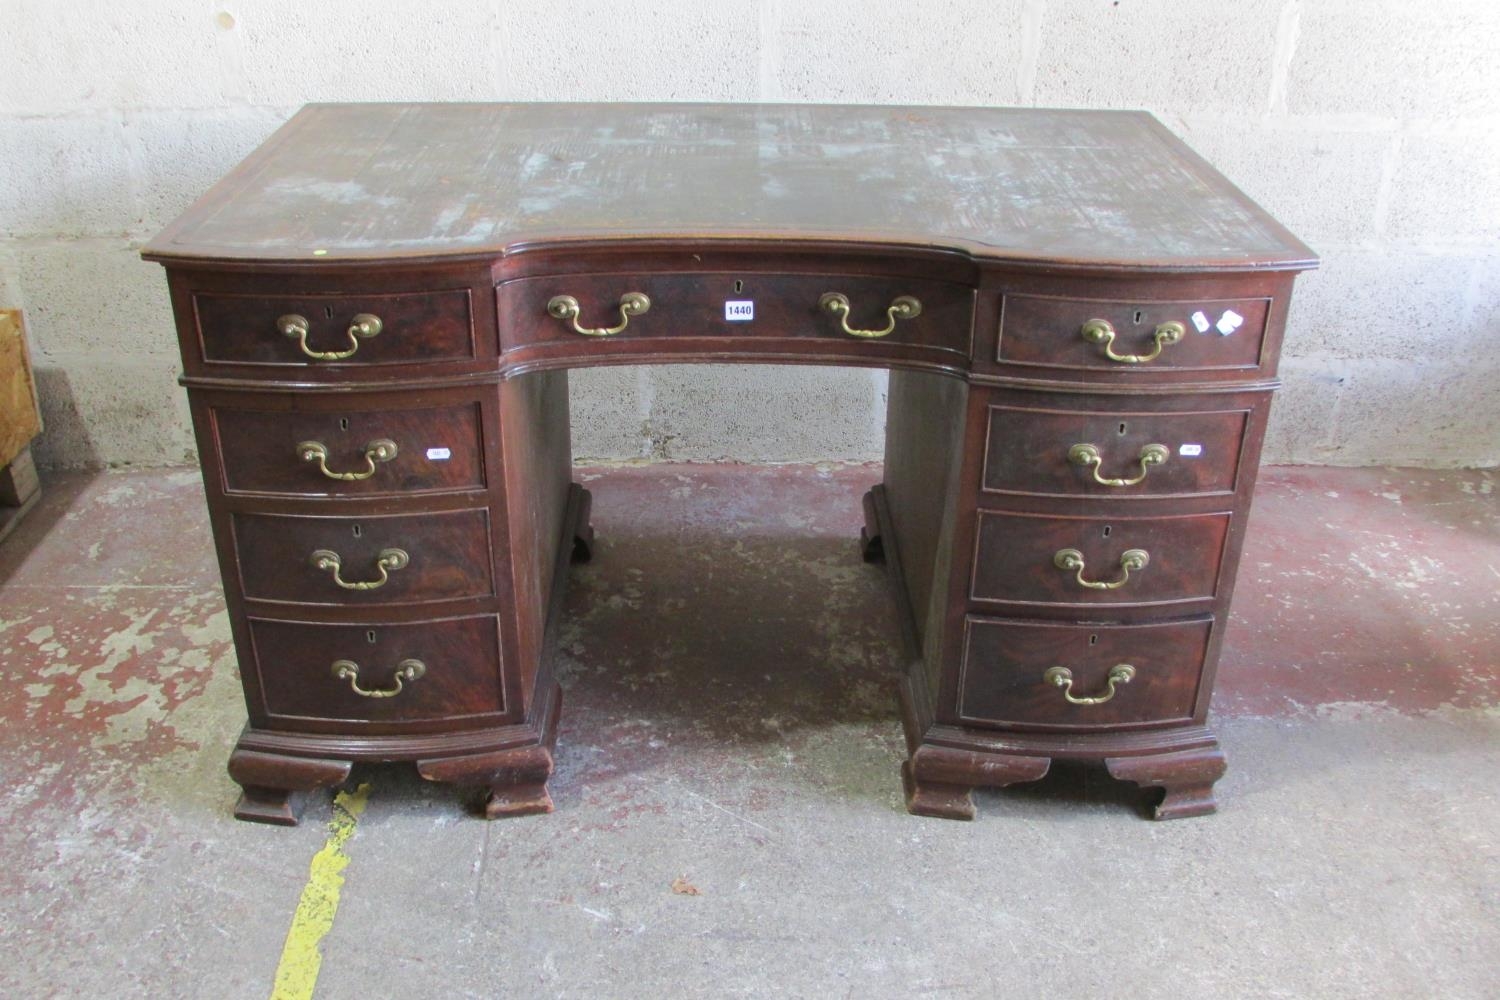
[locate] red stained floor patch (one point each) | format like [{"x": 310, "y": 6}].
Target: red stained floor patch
[{"x": 1379, "y": 587}]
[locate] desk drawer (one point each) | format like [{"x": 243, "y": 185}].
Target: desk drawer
[
  {"x": 1030, "y": 559},
  {"x": 389, "y": 559},
  {"x": 771, "y": 306},
  {"x": 392, "y": 451},
  {"x": 1008, "y": 677},
  {"x": 1076, "y": 453},
  {"x": 314, "y": 332},
  {"x": 1143, "y": 337},
  {"x": 430, "y": 675}
]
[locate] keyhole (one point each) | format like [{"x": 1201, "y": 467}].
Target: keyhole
[
  {"x": 1107, "y": 530},
  {"x": 328, "y": 313},
  {"x": 739, "y": 286},
  {"x": 1093, "y": 639},
  {"x": 358, "y": 531},
  {"x": 1122, "y": 428},
  {"x": 370, "y": 636},
  {"x": 1140, "y": 314},
  {"x": 343, "y": 423}
]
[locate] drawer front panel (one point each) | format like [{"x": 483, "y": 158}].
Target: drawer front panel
[
  {"x": 1032, "y": 452},
  {"x": 436, "y": 450},
  {"x": 407, "y": 558},
  {"x": 1047, "y": 332},
  {"x": 1004, "y": 678},
  {"x": 779, "y": 306},
  {"x": 1037, "y": 560},
  {"x": 413, "y": 327},
  {"x": 460, "y": 676}
]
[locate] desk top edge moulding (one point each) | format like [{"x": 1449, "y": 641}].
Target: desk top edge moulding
[{"x": 378, "y": 308}]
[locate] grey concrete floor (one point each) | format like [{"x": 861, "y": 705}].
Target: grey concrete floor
[{"x": 729, "y": 721}]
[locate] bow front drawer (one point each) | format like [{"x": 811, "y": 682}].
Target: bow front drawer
[
  {"x": 385, "y": 559},
  {"x": 1094, "y": 336},
  {"x": 352, "y": 450},
  {"x": 1123, "y": 454},
  {"x": 313, "y": 333},
  {"x": 1086, "y": 562},
  {"x": 378, "y": 678},
  {"x": 1035, "y": 675}
]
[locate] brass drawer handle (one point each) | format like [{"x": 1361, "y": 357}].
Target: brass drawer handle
[
  {"x": 1071, "y": 561},
  {"x": 901, "y": 307},
  {"x": 1101, "y": 331},
  {"x": 406, "y": 671},
  {"x": 1088, "y": 455},
  {"x": 565, "y": 307},
  {"x": 1120, "y": 673},
  {"x": 386, "y": 563},
  {"x": 382, "y": 450},
  {"x": 365, "y": 325}
]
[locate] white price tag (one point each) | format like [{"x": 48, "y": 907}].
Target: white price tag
[
  {"x": 1200, "y": 321},
  {"x": 1190, "y": 450},
  {"x": 742, "y": 311},
  {"x": 438, "y": 454}
]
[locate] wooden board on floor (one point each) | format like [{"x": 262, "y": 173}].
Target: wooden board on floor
[
  {"x": 20, "y": 422},
  {"x": 19, "y": 418}
]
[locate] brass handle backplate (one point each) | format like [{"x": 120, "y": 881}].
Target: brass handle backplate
[
  {"x": 386, "y": 563},
  {"x": 1102, "y": 332},
  {"x": 1120, "y": 673},
  {"x": 1088, "y": 455},
  {"x": 901, "y": 307},
  {"x": 363, "y": 327},
  {"x": 1071, "y": 560},
  {"x": 406, "y": 671},
  {"x": 565, "y": 307},
  {"x": 382, "y": 450}
]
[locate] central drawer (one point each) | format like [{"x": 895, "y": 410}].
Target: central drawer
[
  {"x": 387, "y": 559},
  {"x": 914, "y": 312},
  {"x": 427, "y": 675}
]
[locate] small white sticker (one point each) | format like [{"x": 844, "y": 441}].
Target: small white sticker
[
  {"x": 1190, "y": 450},
  {"x": 1229, "y": 322},
  {"x": 739, "y": 312},
  {"x": 438, "y": 454},
  {"x": 1200, "y": 321}
]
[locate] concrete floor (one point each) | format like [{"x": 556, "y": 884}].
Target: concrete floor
[{"x": 730, "y": 721}]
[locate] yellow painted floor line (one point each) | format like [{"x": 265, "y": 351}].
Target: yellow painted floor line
[{"x": 302, "y": 955}]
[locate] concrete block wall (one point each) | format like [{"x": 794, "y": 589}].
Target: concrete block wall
[{"x": 1370, "y": 127}]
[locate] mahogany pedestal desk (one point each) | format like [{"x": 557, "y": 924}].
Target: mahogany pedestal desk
[{"x": 378, "y": 308}]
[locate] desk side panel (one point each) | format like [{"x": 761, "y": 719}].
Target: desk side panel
[
  {"x": 538, "y": 460},
  {"x": 924, "y": 428}
]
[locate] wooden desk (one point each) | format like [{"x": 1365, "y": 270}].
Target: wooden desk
[{"x": 378, "y": 308}]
